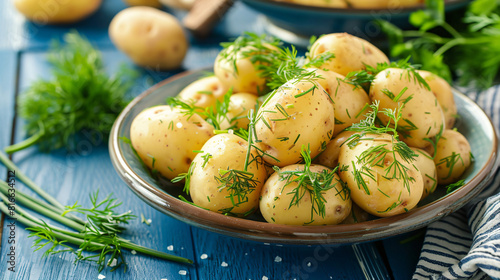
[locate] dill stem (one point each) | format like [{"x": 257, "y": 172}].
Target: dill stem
[
  {"x": 25, "y": 143},
  {"x": 19, "y": 174},
  {"x": 78, "y": 238},
  {"x": 251, "y": 126},
  {"x": 49, "y": 213},
  {"x": 29, "y": 201}
]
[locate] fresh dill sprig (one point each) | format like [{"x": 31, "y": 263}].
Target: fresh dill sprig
[
  {"x": 80, "y": 101},
  {"x": 257, "y": 48},
  {"x": 238, "y": 184},
  {"x": 364, "y": 78},
  {"x": 313, "y": 183}
]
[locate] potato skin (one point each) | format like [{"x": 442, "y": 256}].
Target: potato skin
[
  {"x": 56, "y": 11},
  {"x": 311, "y": 122},
  {"x": 351, "y": 53},
  {"x": 442, "y": 91},
  {"x": 348, "y": 100},
  {"x": 276, "y": 199},
  {"x": 422, "y": 110},
  {"x": 384, "y": 197},
  {"x": 167, "y": 135},
  {"x": 204, "y": 92},
  {"x": 330, "y": 156},
  {"x": 246, "y": 78},
  {"x": 239, "y": 106},
  {"x": 150, "y": 37},
  {"x": 227, "y": 152},
  {"x": 427, "y": 169},
  {"x": 451, "y": 141}
]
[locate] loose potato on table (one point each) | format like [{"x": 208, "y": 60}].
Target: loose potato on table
[
  {"x": 442, "y": 91},
  {"x": 165, "y": 138},
  {"x": 204, "y": 92},
  {"x": 351, "y": 53},
  {"x": 218, "y": 181},
  {"x": 300, "y": 113},
  {"x": 56, "y": 11},
  {"x": 422, "y": 116},
  {"x": 280, "y": 203},
  {"x": 150, "y": 37},
  {"x": 452, "y": 156},
  {"x": 375, "y": 179}
]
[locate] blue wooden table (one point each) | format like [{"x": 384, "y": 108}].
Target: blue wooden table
[{"x": 73, "y": 176}]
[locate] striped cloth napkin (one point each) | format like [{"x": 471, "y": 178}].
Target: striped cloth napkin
[{"x": 466, "y": 244}]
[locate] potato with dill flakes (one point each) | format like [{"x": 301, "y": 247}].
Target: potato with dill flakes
[
  {"x": 444, "y": 95},
  {"x": 165, "y": 138},
  {"x": 351, "y": 53},
  {"x": 452, "y": 156},
  {"x": 379, "y": 182},
  {"x": 204, "y": 92},
  {"x": 299, "y": 113},
  {"x": 236, "y": 64},
  {"x": 150, "y": 37},
  {"x": 350, "y": 102},
  {"x": 427, "y": 169},
  {"x": 285, "y": 201},
  {"x": 239, "y": 106},
  {"x": 218, "y": 180},
  {"x": 422, "y": 116}
]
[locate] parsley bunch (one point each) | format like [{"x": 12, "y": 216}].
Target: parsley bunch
[
  {"x": 81, "y": 97},
  {"x": 469, "y": 50}
]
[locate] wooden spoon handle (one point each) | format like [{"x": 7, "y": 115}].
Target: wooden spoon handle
[{"x": 204, "y": 15}]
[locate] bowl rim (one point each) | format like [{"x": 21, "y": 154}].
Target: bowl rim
[
  {"x": 348, "y": 10},
  {"x": 286, "y": 234}
]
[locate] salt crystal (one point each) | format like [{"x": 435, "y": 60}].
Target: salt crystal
[
  {"x": 101, "y": 276},
  {"x": 164, "y": 279},
  {"x": 267, "y": 243},
  {"x": 149, "y": 221},
  {"x": 224, "y": 264},
  {"x": 246, "y": 254},
  {"x": 133, "y": 252},
  {"x": 278, "y": 259},
  {"x": 170, "y": 248},
  {"x": 203, "y": 256},
  {"x": 112, "y": 262},
  {"x": 182, "y": 272},
  {"x": 264, "y": 278},
  {"x": 309, "y": 264}
]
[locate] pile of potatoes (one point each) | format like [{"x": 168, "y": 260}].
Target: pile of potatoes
[{"x": 225, "y": 175}]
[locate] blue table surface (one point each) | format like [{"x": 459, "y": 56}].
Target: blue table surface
[{"x": 72, "y": 176}]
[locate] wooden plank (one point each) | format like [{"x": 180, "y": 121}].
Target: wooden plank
[
  {"x": 8, "y": 59},
  {"x": 403, "y": 264},
  {"x": 71, "y": 177},
  {"x": 231, "y": 258}
]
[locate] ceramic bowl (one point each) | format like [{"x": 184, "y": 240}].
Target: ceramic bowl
[
  {"x": 162, "y": 195},
  {"x": 296, "y": 23}
]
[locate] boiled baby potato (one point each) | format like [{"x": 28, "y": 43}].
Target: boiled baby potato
[
  {"x": 56, "y": 11},
  {"x": 218, "y": 181},
  {"x": 349, "y": 101},
  {"x": 452, "y": 156},
  {"x": 442, "y": 90},
  {"x": 279, "y": 205},
  {"x": 239, "y": 106},
  {"x": 330, "y": 156},
  {"x": 299, "y": 113},
  {"x": 422, "y": 116},
  {"x": 351, "y": 53},
  {"x": 165, "y": 138},
  {"x": 427, "y": 169},
  {"x": 150, "y": 37},
  {"x": 204, "y": 92},
  {"x": 150, "y": 3},
  {"x": 357, "y": 215},
  {"x": 236, "y": 70},
  {"x": 371, "y": 179}
]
